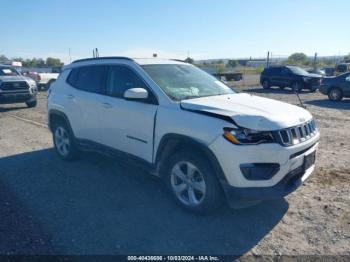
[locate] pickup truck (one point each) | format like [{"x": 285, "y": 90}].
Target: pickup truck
[{"x": 45, "y": 79}]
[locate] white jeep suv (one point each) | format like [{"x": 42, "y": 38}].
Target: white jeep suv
[{"x": 205, "y": 140}]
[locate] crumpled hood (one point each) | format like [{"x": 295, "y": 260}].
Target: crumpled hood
[
  {"x": 253, "y": 112},
  {"x": 13, "y": 78}
]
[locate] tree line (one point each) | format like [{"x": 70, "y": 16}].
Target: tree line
[{"x": 34, "y": 62}]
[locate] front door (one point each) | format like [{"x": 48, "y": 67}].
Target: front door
[{"x": 127, "y": 125}]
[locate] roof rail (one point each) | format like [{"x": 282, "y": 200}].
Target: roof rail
[
  {"x": 102, "y": 58},
  {"x": 178, "y": 60}
]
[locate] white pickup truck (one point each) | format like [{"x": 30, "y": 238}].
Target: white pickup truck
[{"x": 44, "y": 79}]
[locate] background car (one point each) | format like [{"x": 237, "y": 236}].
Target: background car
[
  {"x": 289, "y": 76},
  {"x": 336, "y": 87},
  {"x": 16, "y": 88},
  {"x": 317, "y": 71}
]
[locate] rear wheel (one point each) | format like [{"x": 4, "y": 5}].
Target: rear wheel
[
  {"x": 335, "y": 94},
  {"x": 32, "y": 103},
  {"x": 266, "y": 84},
  {"x": 193, "y": 183},
  {"x": 64, "y": 141}
]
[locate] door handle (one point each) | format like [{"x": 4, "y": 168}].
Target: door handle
[
  {"x": 106, "y": 105},
  {"x": 70, "y": 96}
]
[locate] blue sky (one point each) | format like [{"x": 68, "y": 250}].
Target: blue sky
[{"x": 172, "y": 28}]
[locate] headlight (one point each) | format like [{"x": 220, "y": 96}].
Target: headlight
[
  {"x": 31, "y": 83},
  {"x": 243, "y": 136}
]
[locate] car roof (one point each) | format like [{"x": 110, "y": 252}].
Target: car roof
[{"x": 140, "y": 61}]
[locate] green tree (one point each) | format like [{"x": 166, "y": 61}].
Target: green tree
[
  {"x": 3, "y": 58},
  {"x": 189, "y": 60},
  {"x": 232, "y": 63},
  {"x": 53, "y": 62},
  {"x": 297, "y": 58}
]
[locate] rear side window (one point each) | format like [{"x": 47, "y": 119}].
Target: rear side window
[
  {"x": 73, "y": 76},
  {"x": 88, "y": 78},
  {"x": 121, "y": 78}
]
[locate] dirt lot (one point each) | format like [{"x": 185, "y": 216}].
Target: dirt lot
[{"x": 98, "y": 205}]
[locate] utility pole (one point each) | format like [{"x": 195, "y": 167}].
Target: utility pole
[
  {"x": 268, "y": 59},
  {"x": 315, "y": 60}
]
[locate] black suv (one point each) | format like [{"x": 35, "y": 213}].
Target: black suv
[{"x": 289, "y": 76}]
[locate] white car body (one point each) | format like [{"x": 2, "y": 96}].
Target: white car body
[{"x": 138, "y": 129}]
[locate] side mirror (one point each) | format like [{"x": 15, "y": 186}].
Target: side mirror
[{"x": 136, "y": 94}]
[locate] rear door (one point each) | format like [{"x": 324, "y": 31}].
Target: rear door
[
  {"x": 127, "y": 125},
  {"x": 85, "y": 98},
  {"x": 275, "y": 76}
]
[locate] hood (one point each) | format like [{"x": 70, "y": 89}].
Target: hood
[
  {"x": 253, "y": 112},
  {"x": 314, "y": 75},
  {"x": 13, "y": 78}
]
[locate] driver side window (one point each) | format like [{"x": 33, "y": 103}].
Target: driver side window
[{"x": 120, "y": 79}]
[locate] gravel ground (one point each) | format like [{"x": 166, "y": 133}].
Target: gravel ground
[{"x": 98, "y": 205}]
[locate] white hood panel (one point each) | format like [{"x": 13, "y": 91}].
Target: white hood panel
[{"x": 253, "y": 112}]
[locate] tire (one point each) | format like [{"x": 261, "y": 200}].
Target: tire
[
  {"x": 48, "y": 85},
  {"x": 335, "y": 94},
  {"x": 266, "y": 84},
  {"x": 202, "y": 185},
  {"x": 313, "y": 89},
  {"x": 32, "y": 103},
  {"x": 296, "y": 86},
  {"x": 64, "y": 141}
]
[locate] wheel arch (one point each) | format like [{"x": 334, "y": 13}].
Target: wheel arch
[
  {"x": 172, "y": 143},
  {"x": 56, "y": 115}
]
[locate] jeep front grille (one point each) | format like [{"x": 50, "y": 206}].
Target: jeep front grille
[{"x": 297, "y": 134}]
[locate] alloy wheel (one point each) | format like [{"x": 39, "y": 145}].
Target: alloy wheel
[
  {"x": 62, "y": 141},
  {"x": 188, "y": 183}
]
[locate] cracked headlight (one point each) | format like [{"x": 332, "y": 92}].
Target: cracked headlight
[{"x": 244, "y": 136}]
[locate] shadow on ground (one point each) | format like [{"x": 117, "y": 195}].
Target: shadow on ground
[
  {"x": 342, "y": 105},
  {"x": 12, "y": 108},
  {"x": 98, "y": 206}
]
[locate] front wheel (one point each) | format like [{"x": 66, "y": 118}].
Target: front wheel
[
  {"x": 266, "y": 84},
  {"x": 335, "y": 94},
  {"x": 32, "y": 103},
  {"x": 193, "y": 183}
]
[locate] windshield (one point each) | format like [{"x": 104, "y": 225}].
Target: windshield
[
  {"x": 298, "y": 70},
  {"x": 8, "y": 71},
  {"x": 181, "y": 82}
]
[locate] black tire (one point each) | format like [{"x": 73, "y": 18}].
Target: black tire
[
  {"x": 296, "y": 86},
  {"x": 48, "y": 85},
  {"x": 266, "y": 84},
  {"x": 335, "y": 94},
  {"x": 70, "y": 152},
  {"x": 32, "y": 103},
  {"x": 213, "y": 196}
]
